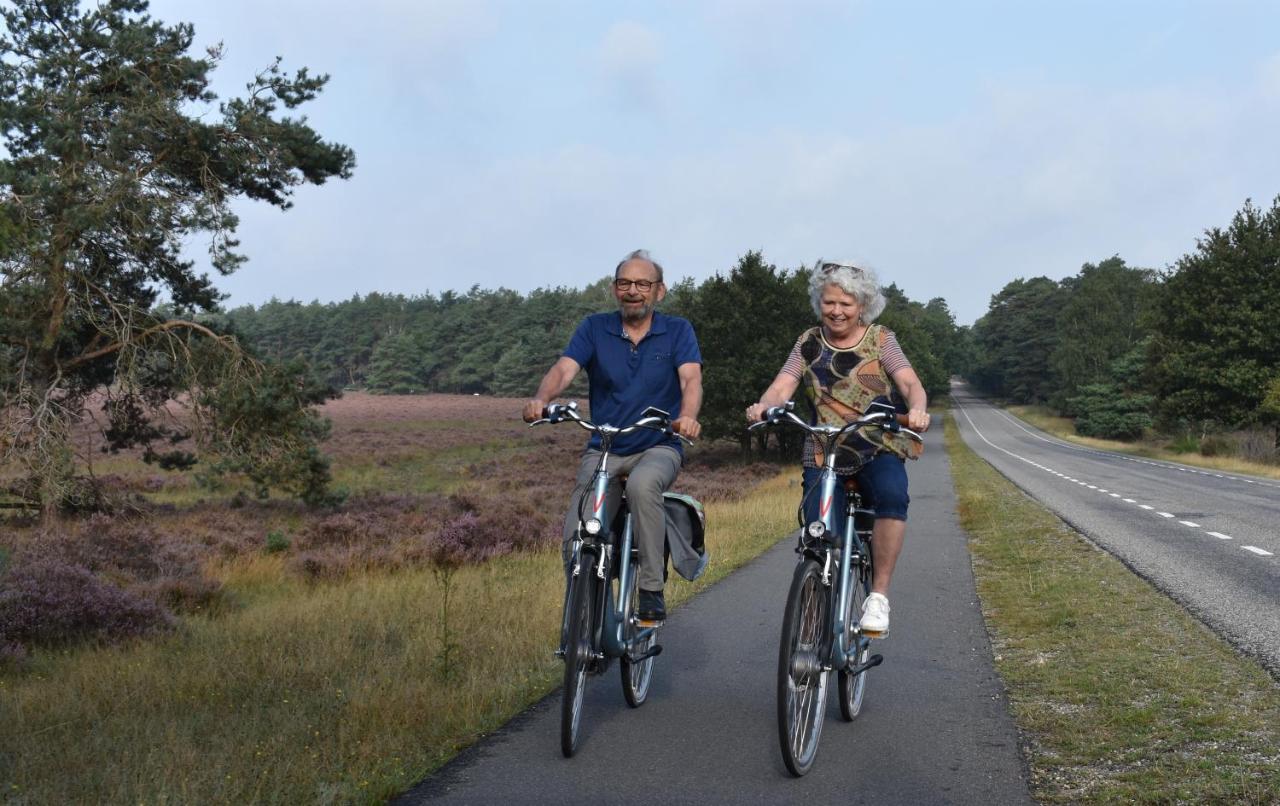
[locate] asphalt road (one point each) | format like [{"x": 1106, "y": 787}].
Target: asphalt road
[
  {"x": 934, "y": 727},
  {"x": 1208, "y": 539}
]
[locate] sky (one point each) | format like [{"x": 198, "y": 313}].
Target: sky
[{"x": 952, "y": 146}]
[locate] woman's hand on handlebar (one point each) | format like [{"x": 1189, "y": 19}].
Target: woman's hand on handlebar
[
  {"x": 755, "y": 412},
  {"x": 918, "y": 420}
]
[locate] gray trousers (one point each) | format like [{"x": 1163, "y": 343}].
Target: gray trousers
[{"x": 650, "y": 474}]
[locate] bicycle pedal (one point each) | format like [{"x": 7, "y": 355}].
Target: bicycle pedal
[
  {"x": 653, "y": 651},
  {"x": 646, "y": 623},
  {"x": 875, "y": 634}
]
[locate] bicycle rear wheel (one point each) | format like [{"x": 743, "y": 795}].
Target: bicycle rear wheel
[
  {"x": 577, "y": 658},
  {"x": 852, "y": 687},
  {"x": 802, "y": 678},
  {"x": 637, "y": 675}
]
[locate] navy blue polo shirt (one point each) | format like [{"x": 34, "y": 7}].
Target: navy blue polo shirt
[{"x": 625, "y": 379}]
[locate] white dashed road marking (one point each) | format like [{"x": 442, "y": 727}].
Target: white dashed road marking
[{"x": 1260, "y": 552}]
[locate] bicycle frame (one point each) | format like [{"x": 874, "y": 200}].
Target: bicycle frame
[
  {"x": 598, "y": 547},
  {"x": 836, "y": 536},
  {"x": 851, "y": 548},
  {"x": 599, "y": 554}
]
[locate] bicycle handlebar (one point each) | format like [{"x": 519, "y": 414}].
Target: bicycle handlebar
[
  {"x": 654, "y": 419},
  {"x": 894, "y": 423}
]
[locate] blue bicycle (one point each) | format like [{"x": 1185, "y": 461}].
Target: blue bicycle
[
  {"x": 601, "y": 597},
  {"x": 832, "y": 579}
]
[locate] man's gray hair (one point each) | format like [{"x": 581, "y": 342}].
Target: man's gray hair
[
  {"x": 856, "y": 280},
  {"x": 639, "y": 254}
]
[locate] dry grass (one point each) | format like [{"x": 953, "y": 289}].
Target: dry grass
[
  {"x": 1121, "y": 696},
  {"x": 329, "y": 688},
  {"x": 1063, "y": 428}
]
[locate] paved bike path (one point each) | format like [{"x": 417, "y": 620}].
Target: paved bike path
[{"x": 934, "y": 727}]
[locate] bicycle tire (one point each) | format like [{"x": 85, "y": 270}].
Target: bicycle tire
[
  {"x": 853, "y": 688},
  {"x": 802, "y": 678},
  {"x": 636, "y": 676},
  {"x": 577, "y": 659}
]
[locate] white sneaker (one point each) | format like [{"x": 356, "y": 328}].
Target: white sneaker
[{"x": 875, "y": 616}]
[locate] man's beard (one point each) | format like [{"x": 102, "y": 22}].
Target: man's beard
[{"x": 636, "y": 314}]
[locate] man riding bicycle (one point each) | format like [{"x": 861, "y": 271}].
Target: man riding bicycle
[{"x": 635, "y": 358}]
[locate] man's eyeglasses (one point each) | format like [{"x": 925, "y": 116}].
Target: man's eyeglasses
[{"x": 640, "y": 285}]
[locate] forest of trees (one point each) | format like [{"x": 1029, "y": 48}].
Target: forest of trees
[
  {"x": 500, "y": 342},
  {"x": 1193, "y": 350}
]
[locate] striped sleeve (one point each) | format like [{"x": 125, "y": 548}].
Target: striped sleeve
[
  {"x": 892, "y": 358},
  {"x": 794, "y": 365}
]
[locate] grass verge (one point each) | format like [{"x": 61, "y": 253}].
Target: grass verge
[
  {"x": 1063, "y": 428},
  {"x": 1121, "y": 696},
  {"x": 330, "y": 693}
]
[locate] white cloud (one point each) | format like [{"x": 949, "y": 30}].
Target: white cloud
[{"x": 629, "y": 55}]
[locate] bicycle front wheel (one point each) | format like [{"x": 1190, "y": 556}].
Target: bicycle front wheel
[
  {"x": 636, "y": 675},
  {"x": 802, "y": 676},
  {"x": 577, "y": 657},
  {"x": 854, "y": 687}
]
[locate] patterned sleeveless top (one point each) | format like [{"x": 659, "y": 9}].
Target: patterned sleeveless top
[{"x": 842, "y": 383}]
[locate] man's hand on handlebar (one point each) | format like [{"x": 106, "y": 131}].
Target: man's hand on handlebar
[
  {"x": 533, "y": 410},
  {"x": 687, "y": 427}
]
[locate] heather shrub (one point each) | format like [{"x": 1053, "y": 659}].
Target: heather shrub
[
  {"x": 132, "y": 555},
  {"x": 518, "y": 526},
  {"x": 50, "y": 602},
  {"x": 346, "y": 528},
  {"x": 185, "y": 594},
  {"x": 122, "y": 548},
  {"x": 456, "y": 543},
  {"x": 450, "y": 549}
]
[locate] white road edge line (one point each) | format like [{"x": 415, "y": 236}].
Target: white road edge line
[
  {"x": 1189, "y": 523},
  {"x": 1220, "y": 535},
  {"x": 1258, "y": 551}
]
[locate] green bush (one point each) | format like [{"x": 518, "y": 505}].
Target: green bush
[
  {"x": 276, "y": 543},
  {"x": 1217, "y": 445},
  {"x": 1107, "y": 413},
  {"x": 1186, "y": 443}
]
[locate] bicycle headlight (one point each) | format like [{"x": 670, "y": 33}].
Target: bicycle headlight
[
  {"x": 593, "y": 526},
  {"x": 816, "y": 529}
]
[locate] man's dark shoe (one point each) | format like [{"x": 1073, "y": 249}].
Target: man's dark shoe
[{"x": 652, "y": 607}]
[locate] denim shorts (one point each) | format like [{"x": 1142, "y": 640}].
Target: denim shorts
[{"x": 883, "y": 482}]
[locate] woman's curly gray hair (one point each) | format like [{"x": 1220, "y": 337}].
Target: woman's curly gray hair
[{"x": 853, "y": 279}]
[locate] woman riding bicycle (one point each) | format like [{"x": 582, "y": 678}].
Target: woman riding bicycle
[{"x": 846, "y": 364}]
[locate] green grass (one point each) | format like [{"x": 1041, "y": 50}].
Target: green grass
[
  {"x": 1121, "y": 695},
  {"x": 330, "y": 693}
]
